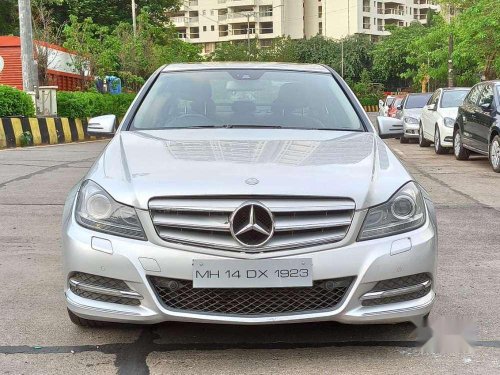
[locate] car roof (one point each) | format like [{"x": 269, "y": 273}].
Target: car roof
[
  {"x": 419, "y": 93},
  {"x": 455, "y": 88},
  {"x": 316, "y": 68}
]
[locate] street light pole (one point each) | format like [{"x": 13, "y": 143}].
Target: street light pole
[
  {"x": 27, "y": 56},
  {"x": 134, "y": 23}
]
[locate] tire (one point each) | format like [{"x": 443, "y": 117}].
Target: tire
[
  {"x": 404, "y": 140},
  {"x": 422, "y": 142},
  {"x": 494, "y": 153},
  {"x": 437, "y": 143},
  {"x": 82, "y": 322},
  {"x": 460, "y": 152}
]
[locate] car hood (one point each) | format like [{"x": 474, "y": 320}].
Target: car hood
[
  {"x": 451, "y": 112},
  {"x": 139, "y": 165},
  {"x": 413, "y": 112}
]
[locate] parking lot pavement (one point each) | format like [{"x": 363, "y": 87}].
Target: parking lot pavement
[{"x": 37, "y": 337}]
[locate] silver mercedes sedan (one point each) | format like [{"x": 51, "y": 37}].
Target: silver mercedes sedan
[{"x": 248, "y": 193}]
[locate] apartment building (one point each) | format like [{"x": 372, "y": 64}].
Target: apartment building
[
  {"x": 208, "y": 22},
  {"x": 339, "y": 18}
]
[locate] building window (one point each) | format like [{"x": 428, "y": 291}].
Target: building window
[
  {"x": 204, "y": 28},
  {"x": 204, "y": 12},
  {"x": 320, "y": 28},
  {"x": 366, "y": 23},
  {"x": 211, "y": 12},
  {"x": 212, "y": 28},
  {"x": 320, "y": 12}
]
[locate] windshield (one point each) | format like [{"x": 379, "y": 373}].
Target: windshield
[
  {"x": 246, "y": 98},
  {"x": 417, "y": 101},
  {"x": 453, "y": 98}
]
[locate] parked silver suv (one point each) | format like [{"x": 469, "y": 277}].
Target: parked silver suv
[{"x": 248, "y": 194}]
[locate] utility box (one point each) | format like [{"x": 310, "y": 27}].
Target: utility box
[{"x": 46, "y": 103}]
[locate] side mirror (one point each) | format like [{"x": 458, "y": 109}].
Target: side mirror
[
  {"x": 431, "y": 107},
  {"x": 102, "y": 125},
  {"x": 389, "y": 127},
  {"x": 380, "y": 103},
  {"x": 399, "y": 107},
  {"x": 486, "y": 107}
]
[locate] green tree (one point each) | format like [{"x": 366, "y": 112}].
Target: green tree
[
  {"x": 112, "y": 12},
  {"x": 391, "y": 53},
  {"x": 9, "y": 23},
  {"x": 477, "y": 29}
]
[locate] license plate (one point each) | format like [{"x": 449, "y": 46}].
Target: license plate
[{"x": 262, "y": 273}]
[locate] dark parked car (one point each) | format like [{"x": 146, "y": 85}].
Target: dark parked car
[{"x": 478, "y": 124}]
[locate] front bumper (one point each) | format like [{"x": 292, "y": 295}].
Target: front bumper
[
  {"x": 410, "y": 130},
  {"x": 368, "y": 261}
]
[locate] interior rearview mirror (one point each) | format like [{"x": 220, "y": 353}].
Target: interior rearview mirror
[
  {"x": 102, "y": 125},
  {"x": 389, "y": 127}
]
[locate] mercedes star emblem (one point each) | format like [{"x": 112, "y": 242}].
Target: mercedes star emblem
[{"x": 252, "y": 224}]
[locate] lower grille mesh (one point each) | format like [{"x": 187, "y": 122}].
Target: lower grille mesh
[{"x": 180, "y": 295}]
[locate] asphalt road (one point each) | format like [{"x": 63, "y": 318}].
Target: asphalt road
[{"x": 36, "y": 337}]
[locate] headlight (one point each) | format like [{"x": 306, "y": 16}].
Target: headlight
[
  {"x": 404, "y": 212},
  {"x": 410, "y": 120},
  {"x": 96, "y": 210},
  {"x": 449, "y": 122}
]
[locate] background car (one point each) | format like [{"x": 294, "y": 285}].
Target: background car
[
  {"x": 478, "y": 124},
  {"x": 438, "y": 118},
  {"x": 384, "y": 105},
  {"x": 393, "y": 107},
  {"x": 410, "y": 111}
]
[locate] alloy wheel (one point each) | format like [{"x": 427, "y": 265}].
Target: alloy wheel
[
  {"x": 437, "y": 142},
  {"x": 457, "y": 144},
  {"x": 495, "y": 154}
]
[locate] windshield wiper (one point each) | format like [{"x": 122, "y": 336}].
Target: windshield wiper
[{"x": 229, "y": 126}]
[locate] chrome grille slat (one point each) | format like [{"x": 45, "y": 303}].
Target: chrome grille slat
[
  {"x": 201, "y": 222},
  {"x": 229, "y": 205},
  {"x": 204, "y": 221}
]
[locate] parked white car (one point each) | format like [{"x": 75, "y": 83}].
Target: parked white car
[
  {"x": 438, "y": 118},
  {"x": 384, "y": 105},
  {"x": 410, "y": 111}
]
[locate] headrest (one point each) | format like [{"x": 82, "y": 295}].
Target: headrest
[{"x": 243, "y": 107}]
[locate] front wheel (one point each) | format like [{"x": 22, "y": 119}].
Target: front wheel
[
  {"x": 422, "y": 142},
  {"x": 82, "y": 322},
  {"x": 460, "y": 152},
  {"x": 494, "y": 153},
  {"x": 437, "y": 143}
]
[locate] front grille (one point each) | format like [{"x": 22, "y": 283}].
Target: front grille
[
  {"x": 105, "y": 282},
  {"x": 180, "y": 295},
  {"x": 398, "y": 283},
  {"x": 205, "y": 221}
]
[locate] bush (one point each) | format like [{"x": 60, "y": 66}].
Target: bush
[
  {"x": 90, "y": 104},
  {"x": 14, "y": 102},
  {"x": 369, "y": 100}
]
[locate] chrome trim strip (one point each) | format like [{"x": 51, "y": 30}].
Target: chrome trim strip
[
  {"x": 102, "y": 290},
  {"x": 396, "y": 292}
]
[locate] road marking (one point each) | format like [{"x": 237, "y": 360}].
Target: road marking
[{"x": 398, "y": 151}]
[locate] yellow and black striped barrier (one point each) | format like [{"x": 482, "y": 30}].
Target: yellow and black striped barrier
[
  {"x": 371, "y": 108},
  {"x": 43, "y": 130}
]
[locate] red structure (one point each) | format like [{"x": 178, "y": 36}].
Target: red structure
[{"x": 60, "y": 72}]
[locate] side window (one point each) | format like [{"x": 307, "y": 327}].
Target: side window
[
  {"x": 432, "y": 99},
  {"x": 474, "y": 95},
  {"x": 486, "y": 96},
  {"x": 436, "y": 99}
]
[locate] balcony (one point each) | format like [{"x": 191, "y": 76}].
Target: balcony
[
  {"x": 240, "y": 16},
  {"x": 179, "y": 21},
  {"x": 394, "y": 13},
  {"x": 222, "y": 17},
  {"x": 239, "y": 3},
  {"x": 193, "y": 3},
  {"x": 193, "y": 19}
]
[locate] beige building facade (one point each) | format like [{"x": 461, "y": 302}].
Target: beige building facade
[{"x": 208, "y": 22}]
